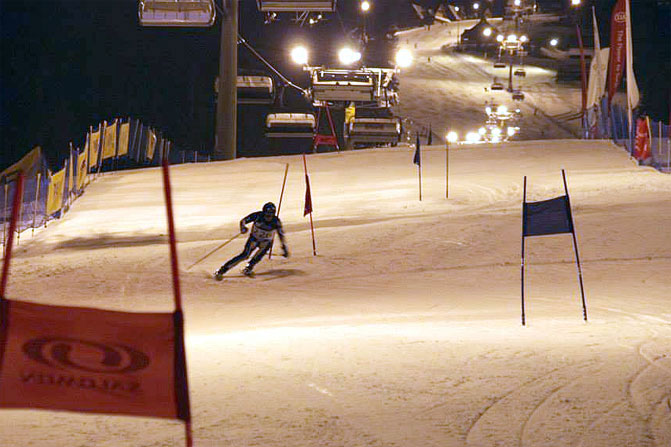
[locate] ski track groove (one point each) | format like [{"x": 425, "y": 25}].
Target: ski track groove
[{"x": 487, "y": 410}]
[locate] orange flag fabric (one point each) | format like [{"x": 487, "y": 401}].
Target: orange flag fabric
[{"x": 91, "y": 360}]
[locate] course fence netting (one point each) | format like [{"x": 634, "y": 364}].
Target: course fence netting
[{"x": 117, "y": 145}]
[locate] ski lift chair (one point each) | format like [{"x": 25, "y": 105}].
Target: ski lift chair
[
  {"x": 343, "y": 85},
  {"x": 520, "y": 72},
  {"x": 518, "y": 96},
  {"x": 496, "y": 86},
  {"x": 296, "y": 5},
  {"x": 364, "y": 131},
  {"x": 290, "y": 133},
  {"x": 176, "y": 12},
  {"x": 255, "y": 90}
]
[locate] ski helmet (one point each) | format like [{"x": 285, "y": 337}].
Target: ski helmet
[{"x": 269, "y": 209}]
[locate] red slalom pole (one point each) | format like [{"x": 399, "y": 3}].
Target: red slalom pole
[
  {"x": 312, "y": 228},
  {"x": 18, "y": 193}
]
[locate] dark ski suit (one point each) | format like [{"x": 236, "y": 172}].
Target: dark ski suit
[{"x": 261, "y": 237}]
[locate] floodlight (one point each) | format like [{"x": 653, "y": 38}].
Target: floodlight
[
  {"x": 476, "y": 5},
  {"x": 523, "y": 39},
  {"x": 482, "y": 131},
  {"x": 518, "y": 2},
  {"x": 512, "y": 38},
  {"x": 496, "y": 131},
  {"x": 299, "y": 55},
  {"x": 404, "y": 58},
  {"x": 554, "y": 41},
  {"x": 365, "y": 6},
  {"x": 472, "y": 137},
  {"x": 575, "y": 2},
  {"x": 511, "y": 131},
  {"x": 452, "y": 136},
  {"x": 501, "y": 110},
  {"x": 488, "y": 110},
  {"x": 499, "y": 38},
  {"x": 487, "y": 32},
  {"x": 348, "y": 56}
]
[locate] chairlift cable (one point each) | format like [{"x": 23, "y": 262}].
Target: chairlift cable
[{"x": 255, "y": 53}]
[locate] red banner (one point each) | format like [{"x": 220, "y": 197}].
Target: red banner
[
  {"x": 642, "y": 149},
  {"x": 618, "y": 32},
  {"x": 307, "y": 209},
  {"x": 92, "y": 360}
]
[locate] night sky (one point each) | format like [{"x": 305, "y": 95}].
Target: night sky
[{"x": 69, "y": 64}]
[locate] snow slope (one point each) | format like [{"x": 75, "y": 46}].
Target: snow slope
[{"x": 405, "y": 329}]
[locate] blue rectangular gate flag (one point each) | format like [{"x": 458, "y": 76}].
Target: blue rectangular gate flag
[{"x": 551, "y": 216}]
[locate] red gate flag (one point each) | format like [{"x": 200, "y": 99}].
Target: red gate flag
[
  {"x": 92, "y": 360},
  {"x": 618, "y": 31},
  {"x": 551, "y": 216},
  {"x": 642, "y": 145},
  {"x": 308, "y": 197}
]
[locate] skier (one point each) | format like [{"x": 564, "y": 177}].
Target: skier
[{"x": 265, "y": 225}]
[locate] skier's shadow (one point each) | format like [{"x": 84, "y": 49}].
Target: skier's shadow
[{"x": 270, "y": 275}]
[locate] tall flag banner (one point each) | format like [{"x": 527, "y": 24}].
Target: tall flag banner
[
  {"x": 546, "y": 217},
  {"x": 618, "y": 31},
  {"x": 598, "y": 68},
  {"x": 95, "y": 146},
  {"x": 632, "y": 88},
  {"x": 82, "y": 171},
  {"x": 151, "y": 145},
  {"x": 55, "y": 192},
  {"x": 93, "y": 360},
  {"x": 124, "y": 138},
  {"x": 642, "y": 150}
]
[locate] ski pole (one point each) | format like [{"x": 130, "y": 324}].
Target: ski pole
[{"x": 211, "y": 252}]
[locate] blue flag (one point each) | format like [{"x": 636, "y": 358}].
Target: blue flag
[
  {"x": 417, "y": 159},
  {"x": 551, "y": 216}
]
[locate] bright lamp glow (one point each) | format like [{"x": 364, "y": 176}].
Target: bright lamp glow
[
  {"x": 511, "y": 131},
  {"x": 512, "y": 38},
  {"x": 554, "y": 42},
  {"x": 365, "y": 6},
  {"x": 472, "y": 137},
  {"x": 452, "y": 136},
  {"x": 487, "y": 32},
  {"x": 404, "y": 58},
  {"x": 482, "y": 131},
  {"x": 523, "y": 39},
  {"x": 488, "y": 110},
  {"x": 499, "y": 38},
  {"x": 575, "y": 2},
  {"x": 299, "y": 55},
  {"x": 348, "y": 56},
  {"x": 502, "y": 110},
  {"x": 518, "y": 2},
  {"x": 496, "y": 132},
  {"x": 476, "y": 5}
]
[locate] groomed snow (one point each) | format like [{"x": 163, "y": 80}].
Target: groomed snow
[{"x": 405, "y": 329}]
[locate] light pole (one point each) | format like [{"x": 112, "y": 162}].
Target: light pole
[{"x": 583, "y": 74}]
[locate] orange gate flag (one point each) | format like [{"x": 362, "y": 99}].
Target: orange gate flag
[{"x": 92, "y": 360}]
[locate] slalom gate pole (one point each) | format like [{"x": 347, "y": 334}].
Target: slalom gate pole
[
  {"x": 18, "y": 193},
  {"x": 279, "y": 207},
  {"x": 524, "y": 201},
  {"x": 211, "y": 252},
  {"x": 37, "y": 196},
  {"x": 312, "y": 228},
  {"x": 575, "y": 247},
  {"x": 181, "y": 380},
  {"x": 420, "y": 178},
  {"x": 447, "y": 169}
]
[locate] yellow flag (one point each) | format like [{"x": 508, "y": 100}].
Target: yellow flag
[
  {"x": 71, "y": 171},
  {"x": 109, "y": 142},
  {"x": 124, "y": 138},
  {"x": 82, "y": 162},
  {"x": 55, "y": 193},
  {"x": 95, "y": 143},
  {"x": 151, "y": 145}
]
